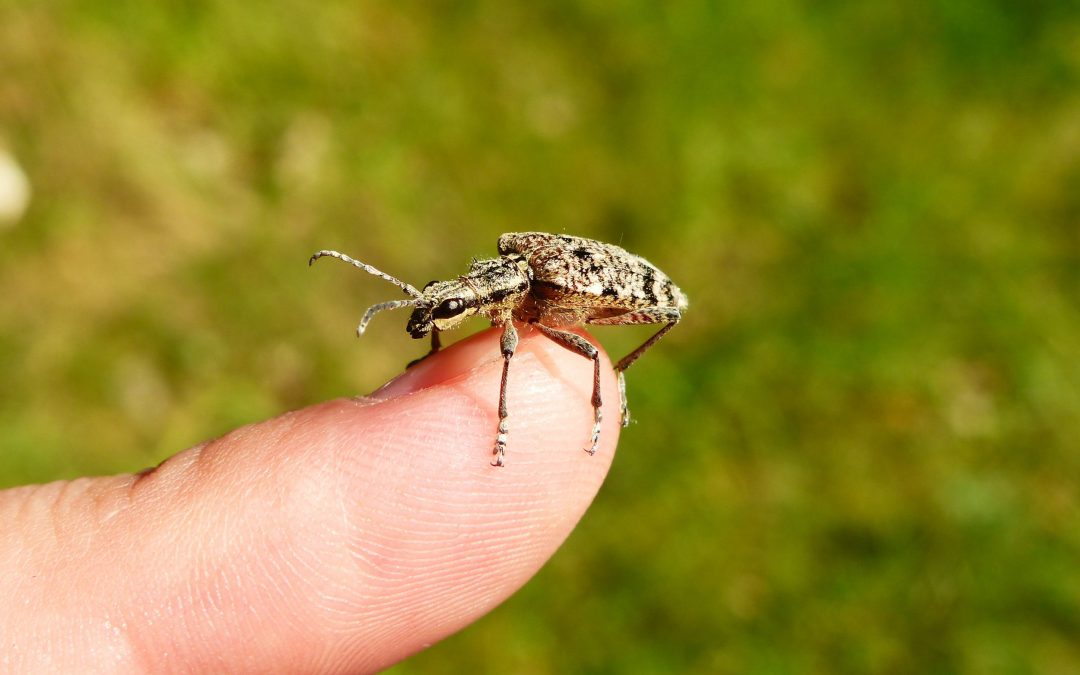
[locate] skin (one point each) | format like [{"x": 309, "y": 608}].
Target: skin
[{"x": 342, "y": 537}]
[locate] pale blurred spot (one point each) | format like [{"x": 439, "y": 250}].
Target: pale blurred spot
[
  {"x": 142, "y": 392},
  {"x": 305, "y": 149},
  {"x": 285, "y": 368},
  {"x": 970, "y": 406},
  {"x": 14, "y": 190},
  {"x": 552, "y": 115},
  {"x": 206, "y": 154}
]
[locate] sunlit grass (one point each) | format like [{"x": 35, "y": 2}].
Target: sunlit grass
[{"x": 857, "y": 453}]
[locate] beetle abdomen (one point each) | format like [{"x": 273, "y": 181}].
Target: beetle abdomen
[{"x": 564, "y": 266}]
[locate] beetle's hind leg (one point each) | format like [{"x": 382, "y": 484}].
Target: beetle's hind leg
[
  {"x": 668, "y": 315},
  {"x": 624, "y": 409},
  {"x": 576, "y": 343}
]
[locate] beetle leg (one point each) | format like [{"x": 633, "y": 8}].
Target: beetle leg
[
  {"x": 648, "y": 315},
  {"x": 508, "y": 346},
  {"x": 576, "y": 343},
  {"x": 624, "y": 409},
  {"x": 435, "y": 346}
]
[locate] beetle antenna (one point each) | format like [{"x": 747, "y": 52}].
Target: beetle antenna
[
  {"x": 408, "y": 288},
  {"x": 375, "y": 309}
]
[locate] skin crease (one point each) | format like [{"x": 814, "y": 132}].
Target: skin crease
[{"x": 337, "y": 538}]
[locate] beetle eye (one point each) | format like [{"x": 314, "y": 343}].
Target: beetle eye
[{"x": 448, "y": 308}]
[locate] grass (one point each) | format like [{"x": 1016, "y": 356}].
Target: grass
[{"x": 857, "y": 454}]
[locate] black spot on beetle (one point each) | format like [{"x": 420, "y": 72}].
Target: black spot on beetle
[
  {"x": 547, "y": 290},
  {"x": 648, "y": 278},
  {"x": 500, "y": 294}
]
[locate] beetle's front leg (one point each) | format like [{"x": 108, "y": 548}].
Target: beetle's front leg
[
  {"x": 508, "y": 346},
  {"x": 435, "y": 346}
]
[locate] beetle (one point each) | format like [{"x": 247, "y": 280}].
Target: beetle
[{"x": 550, "y": 281}]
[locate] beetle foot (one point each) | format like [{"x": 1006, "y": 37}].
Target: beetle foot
[
  {"x": 500, "y": 445},
  {"x": 598, "y": 417}
]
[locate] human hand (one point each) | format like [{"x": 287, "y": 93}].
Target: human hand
[{"x": 342, "y": 537}]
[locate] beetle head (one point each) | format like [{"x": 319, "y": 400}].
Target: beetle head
[{"x": 442, "y": 306}]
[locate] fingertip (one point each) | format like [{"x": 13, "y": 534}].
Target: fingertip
[
  {"x": 446, "y": 406},
  {"x": 467, "y": 531},
  {"x": 363, "y": 530}
]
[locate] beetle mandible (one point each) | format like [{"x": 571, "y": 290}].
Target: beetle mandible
[{"x": 551, "y": 281}]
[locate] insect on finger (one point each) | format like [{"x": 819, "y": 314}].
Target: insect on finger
[{"x": 554, "y": 281}]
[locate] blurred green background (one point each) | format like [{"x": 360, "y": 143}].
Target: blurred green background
[{"x": 859, "y": 453}]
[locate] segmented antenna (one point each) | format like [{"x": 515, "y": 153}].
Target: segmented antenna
[
  {"x": 408, "y": 288},
  {"x": 375, "y": 309}
]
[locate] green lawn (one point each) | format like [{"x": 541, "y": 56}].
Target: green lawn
[{"x": 859, "y": 453}]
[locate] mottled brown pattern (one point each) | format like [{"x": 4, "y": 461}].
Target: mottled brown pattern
[
  {"x": 572, "y": 272},
  {"x": 550, "y": 281}
]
